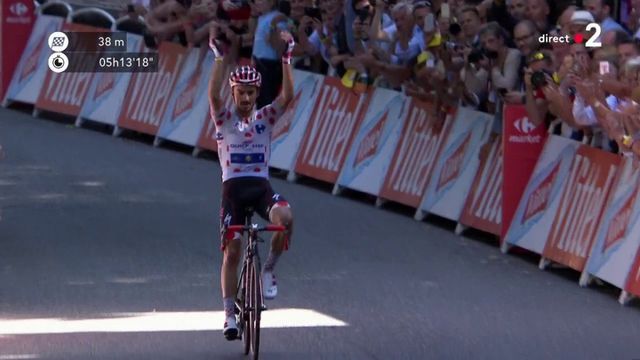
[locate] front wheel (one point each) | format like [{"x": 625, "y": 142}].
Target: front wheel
[
  {"x": 256, "y": 307},
  {"x": 246, "y": 308}
]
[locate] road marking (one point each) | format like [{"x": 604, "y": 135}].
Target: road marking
[{"x": 163, "y": 321}]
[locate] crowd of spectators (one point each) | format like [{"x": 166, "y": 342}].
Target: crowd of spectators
[{"x": 476, "y": 54}]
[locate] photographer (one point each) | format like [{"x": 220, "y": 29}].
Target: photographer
[{"x": 538, "y": 74}]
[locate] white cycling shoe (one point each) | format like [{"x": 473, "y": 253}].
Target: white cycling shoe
[
  {"x": 230, "y": 328},
  {"x": 270, "y": 288}
]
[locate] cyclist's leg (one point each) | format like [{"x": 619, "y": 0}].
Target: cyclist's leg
[
  {"x": 231, "y": 245},
  {"x": 275, "y": 209}
]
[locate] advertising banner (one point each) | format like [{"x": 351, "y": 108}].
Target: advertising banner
[
  {"x": 335, "y": 120},
  {"x": 457, "y": 165},
  {"x": 523, "y": 143},
  {"x": 417, "y": 151},
  {"x": 370, "y": 156},
  {"x": 538, "y": 206}
]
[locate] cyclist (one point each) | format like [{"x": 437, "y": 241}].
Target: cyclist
[{"x": 244, "y": 140}]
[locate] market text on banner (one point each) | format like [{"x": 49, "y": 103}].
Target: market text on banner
[
  {"x": 523, "y": 143},
  {"x": 17, "y": 19}
]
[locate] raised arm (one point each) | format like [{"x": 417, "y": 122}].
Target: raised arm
[
  {"x": 217, "y": 75},
  {"x": 286, "y": 95}
]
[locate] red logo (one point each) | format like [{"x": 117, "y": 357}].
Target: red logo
[
  {"x": 184, "y": 102},
  {"x": 369, "y": 144},
  {"x": 578, "y": 38},
  {"x": 539, "y": 198},
  {"x": 619, "y": 223},
  {"x": 283, "y": 125},
  {"x": 453, "y": 165},
  {"x": 106, "y": 84}
]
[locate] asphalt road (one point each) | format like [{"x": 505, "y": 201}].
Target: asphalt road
[{"x": 109, "y": 250}]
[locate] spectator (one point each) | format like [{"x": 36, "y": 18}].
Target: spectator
[
  {"x": 538, "y": 11},
  {"x": 517, "y": 9},
  {"x": 601, "y": 11},
  {"x": 526, "y": 37},
  {"x": 627, "y": 50},
  {"x": 538, "y": 74},
  {"x": 268, "y": 48},
  {"x": 615, "y": 37},
  {"x": 470, "y": 22}
]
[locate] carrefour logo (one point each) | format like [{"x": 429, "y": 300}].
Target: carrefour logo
[
  {"x": 18, "y": 9},
  {"x": 524, "y": 125}
]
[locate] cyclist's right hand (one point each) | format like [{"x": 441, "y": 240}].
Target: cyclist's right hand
[{"x": 213, "y": 34}]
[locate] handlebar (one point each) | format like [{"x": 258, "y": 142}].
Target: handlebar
[{"x": 243, "y": 228}]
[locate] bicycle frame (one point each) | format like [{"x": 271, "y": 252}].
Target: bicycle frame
[{"x": 249, "y": 296}]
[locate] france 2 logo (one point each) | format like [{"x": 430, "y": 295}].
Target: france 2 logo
[
  {"x": 260, "y": 128},
  {"x": 593, "y": 40}
]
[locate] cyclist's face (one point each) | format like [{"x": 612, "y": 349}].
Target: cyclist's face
[{"x": 245, "y": 97}]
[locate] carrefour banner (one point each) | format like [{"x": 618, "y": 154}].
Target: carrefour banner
[{"x": 29, "y": 75}]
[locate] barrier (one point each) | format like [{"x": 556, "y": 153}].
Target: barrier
[
  {"x": 107, "y": 91},
  {"x": 538, "y": 206},
  {"x": 334, "y": 122},
  {"x": 148, "y": 93},
  {"x": 419, "y": 146},
  {"x": 579, "y": 207},
  {"x": 28, "y": 77},
  {"x": 457, "y": 165},
  {"x": 17, "y": 19},
  {"x": 189, "y": 102},
  {"x": 373, "y": 147},
  {"x": 483, "y": 207},
  {"x": 612, "y": 255},
  {"x": 523, "y": 143},
  {"x": 65, "y": 93},
  {"x": 291, "y": 127}
]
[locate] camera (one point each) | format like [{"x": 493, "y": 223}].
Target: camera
[
  {"x": 453, "y": 46},
  {"x": 539, "y": 78},
  {"x": 476, "y": 55}
]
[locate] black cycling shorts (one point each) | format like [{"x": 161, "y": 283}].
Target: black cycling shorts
[{"x": 240, "y": 193}]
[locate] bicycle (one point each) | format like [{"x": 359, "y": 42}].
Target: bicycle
[{"x": 249, "y": 297}]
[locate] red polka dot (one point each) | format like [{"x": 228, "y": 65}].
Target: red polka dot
[
  {"x": 236, "y": 170},
  {"x": 219, "y": 122},
  {"x": 227, "y": 148},
  {"x": 273, "y": 111},
  {"x": 259, "y": 116},
  {"x": 228, "y": 115},
  {"x": 256, "y": 170},
  {"x": 248, "y": 135},
  {"x": 228, "y": 163},
  {"x": 272, "y": 121}
]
